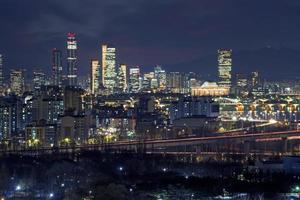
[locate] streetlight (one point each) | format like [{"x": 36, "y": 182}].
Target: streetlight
[
  {"x": 18, "y": 188},
  {"x": 51, "y": 195}
]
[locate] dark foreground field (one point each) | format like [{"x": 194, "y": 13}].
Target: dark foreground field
[{"x": 93, "y": 175}]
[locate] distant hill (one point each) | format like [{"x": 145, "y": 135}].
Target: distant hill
[{"x": 272, "y": 63}]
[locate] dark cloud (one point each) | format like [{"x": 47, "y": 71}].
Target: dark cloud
[{"x": 173, "y": 33}]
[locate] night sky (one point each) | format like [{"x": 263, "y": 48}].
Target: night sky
[{"x": 181, "y": 35}]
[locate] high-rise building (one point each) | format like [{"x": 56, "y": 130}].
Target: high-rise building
[
  {"x": 57, "y": 67},
  {"x": 109, "y": 68},
  {"x": 175, "y": 82},
  {"x": 17, "y": 81},
  {"x": 224, "y": 67},
  {"x": 241, "y": 84},
  {"x": 161, "y": 77},
  {"x": 1, "y": 72},
  {"x": 134, "y": 79},
  {"x": 147, "y": 79},
  {"x": 241, "y": 80},
  {"x": 95, "y": 76},
  {"x": 48, "y": 105},
  {"x": 122, "y": 78},
  {"x": 72, "y": 59},
  {"x": 10, "y": 116},
  {"x": 254, "y": 79},
  {"x": 39, "y": 79}
]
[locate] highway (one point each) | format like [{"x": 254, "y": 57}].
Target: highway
[
  {"x": 177, "y": 142},
  {"x": 292, "y": 135}
]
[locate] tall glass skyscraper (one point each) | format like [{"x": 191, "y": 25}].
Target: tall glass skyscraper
[
  {"x": 161, "y": 77},
  {"x": 57, "y": 67},
  {"x": 224, "y": 67},
  {"x": 39, "y": 79},
  {"x": 17, "y": 81},
  {"x": 72, "y": 59},
  {"x": 122, "y": 78},
  {"x": 109, "y": 68},
  {"x": 95, "y": 76},
  {"x": 134, "y": 79}
]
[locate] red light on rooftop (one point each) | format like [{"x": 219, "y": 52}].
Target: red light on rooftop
[{"x": 71, "y": 34}]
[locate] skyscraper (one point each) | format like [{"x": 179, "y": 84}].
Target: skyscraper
[
  {"x": 1, "y": 72},
  {"x": 72, "y": 59},
  {"x": 17, "y": 81},
  {"x": 224, "y": 67},
  {"x": 134, "y": 79},
  {"x": 57, "y": 67},
  {"x": 95, "y": 76},
  {"x": 254, "y": 79},
  {"x": 122, "y": 78},
  {"x": 161, "y": 77},
  {"x": 109, "y": 68},
  {"x": 175, "y": 82},
  {"x": 39, "y": 79},
  {"x": 241, "y": 84}
]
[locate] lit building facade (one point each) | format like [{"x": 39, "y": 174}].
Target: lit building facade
[
  {"x": 161, "y": 77},
  {"x": 109, "y": 68},
  {"x": 134, "y": 79},
  {"x": 39, "y": 79},
  {"x": 47, "y": 108},
  {"x": 17, "y": 82},
  {"x": 193, "y": 106},
  {"x": 254, "y": 79},
  {"x": 175, "y": 82},
  {"x": 224, "y": 67},
  {"x": 40, "y": 134},
  {"x": 11, "y": 122},
  {"x": 149, "y": 78},
  {"x": 242, "y": 84},
  {"x": 209, "y": 89},
  {"x": 95, "y": 76},
  {"x": 122, "y": 78},
  {"x": 57, "y": 67},
  {"x": 72, "y": 59}
]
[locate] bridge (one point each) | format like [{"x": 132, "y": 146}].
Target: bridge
[{"x": 234, "y": 143}]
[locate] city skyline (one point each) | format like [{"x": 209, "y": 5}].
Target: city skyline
[
  {"x": 139, "y": 99},
  {"x": 148, "y": 44}
]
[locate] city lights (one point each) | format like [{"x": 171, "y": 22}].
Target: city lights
[
  {"x": 18, "y": 188},
  {"x": 149, "y": 100}
]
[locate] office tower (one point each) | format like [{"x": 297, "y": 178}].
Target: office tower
[
  {"x": 224, "y": 67},
  {"x": 109, "y": 68},
  {"x": 48, "y": 105},
  {"x": 10, "y": 116},
  {"x": 73, "y": 100},
  {"x": 1, "y": 72},
  {"x": 72, "y": 59},
  {"x": 57, "y": 67},
  {"x": 147, "y": 79},
  {"x": 134, "y": 79},
  {"x": 122, "y": 78},
  {"x": 241, "y": 84},
  {"x": 154, "y": 84},
  {"x": 95, "y": 78},
  {"x": 241, "y": 80},
  {"x": 175, "y": 82},
  {"x": 17, "y": 82},
  {"x": 254, "y": 79},
  {"x": 161, "y": 77},
  {"x": 39, "y": 79}
]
